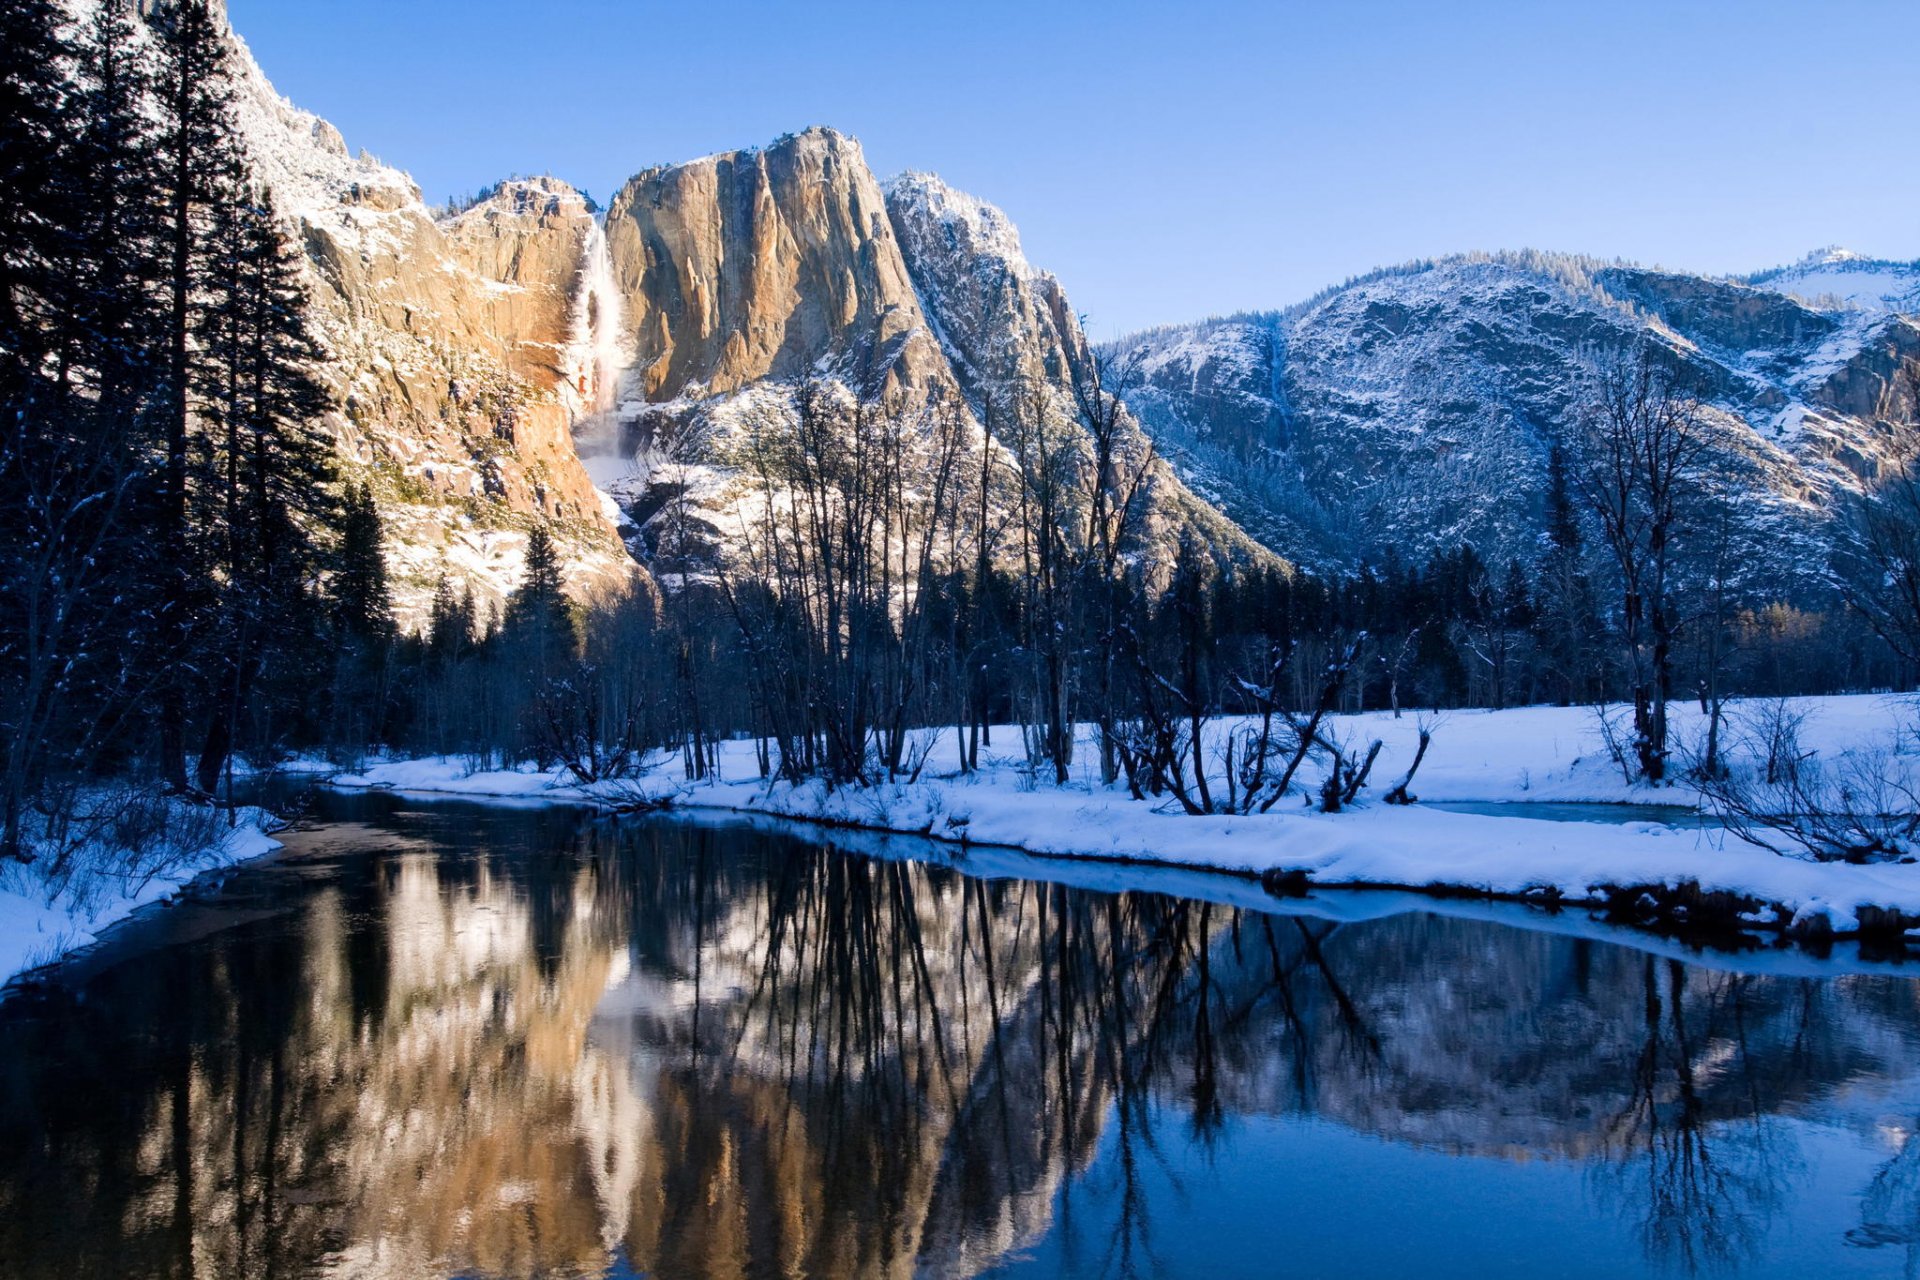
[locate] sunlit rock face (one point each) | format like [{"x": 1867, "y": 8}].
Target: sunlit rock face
[
  {"x": 453, "y": 349},
  {"x": 718, "y": 1052},
  {"x": 761, "y": 264},
  {"x": 746, "y": 273}
]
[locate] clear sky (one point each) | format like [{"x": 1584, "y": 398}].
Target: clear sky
[{"x": 1170, "y": 161}]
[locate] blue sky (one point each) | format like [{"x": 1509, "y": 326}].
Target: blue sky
[{"x": 1170, "y": 161}]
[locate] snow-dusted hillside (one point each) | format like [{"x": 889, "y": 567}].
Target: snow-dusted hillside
[
  {"x": 1835, "y": 276},
  {"x": 1414, "y": 408}
]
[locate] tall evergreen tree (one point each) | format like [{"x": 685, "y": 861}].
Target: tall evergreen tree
[
  {"x": 1564, "y": 597},
  {"x": 38, "y": 223},
  {"x": 194, "y": 146},
  {"x": 270, "y": 509},
  {"x": 362, "y": 603},
  {"x": 539, "y": 618}
]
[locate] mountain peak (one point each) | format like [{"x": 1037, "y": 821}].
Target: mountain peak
[{"x": 966, "y": 221}]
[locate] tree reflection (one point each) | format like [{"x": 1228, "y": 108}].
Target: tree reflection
[
  {"x": 699, "y": 1051},
  {"x": 1692, "y": 1152},
  {"x": 1890, "y": 1209}
]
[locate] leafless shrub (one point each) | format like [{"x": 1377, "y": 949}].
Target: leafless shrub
[
  {"x": 1859, "y": 805},
  {"x": 111, "y": 839},
  {"x": 1399, "y": 793},
  {"x": 1347, "y": 771},
  {"x": 1615, "y": 736}
]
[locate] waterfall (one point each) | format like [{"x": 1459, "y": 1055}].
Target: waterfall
[{"x": 597, "y": 351}]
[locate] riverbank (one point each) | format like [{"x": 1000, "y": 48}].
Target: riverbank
[
  {"x": 1658, "y": 871},
  {"x": 43, "y": 918}
]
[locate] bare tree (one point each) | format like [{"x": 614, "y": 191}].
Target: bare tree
[
  {"x": 1049, "y": 506},
  {"x": 857, "y": 509},
  {"x": 1643, "y": 439},
  {"x": 1122, "y": 461}
]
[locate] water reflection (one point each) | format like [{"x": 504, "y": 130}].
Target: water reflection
[{"x": 477, "y": 1042}]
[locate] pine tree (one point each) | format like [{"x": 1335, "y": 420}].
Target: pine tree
[
  {"x": 269, "y": 511},
  {"x": 194, "y": 145},
  {"x": 38, "y": 233},
  {"x": 362, "y": 606},
  {"x": 450, "y": 623},
  {"x": 1564, "y": 599},
  {"x": 539, "y": 618},
  {"x": 37, "y": 222},
  {"x": 362, "y": 624}
]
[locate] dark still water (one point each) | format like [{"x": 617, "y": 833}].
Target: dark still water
[{"x": 446, "y": 1040}]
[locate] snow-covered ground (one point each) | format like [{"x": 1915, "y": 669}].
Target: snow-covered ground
[
  {"x": 1536, "y": 754},
  {"x": 40, "y": 921},
  {"x": 1532, "y": 755}
]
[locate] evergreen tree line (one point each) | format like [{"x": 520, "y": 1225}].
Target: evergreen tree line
[{"x": 174, "y": 544}]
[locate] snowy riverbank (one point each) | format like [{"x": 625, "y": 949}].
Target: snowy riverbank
[
  {"x": 1529, "y": 755},
  {"x": 43, "y": 920}
]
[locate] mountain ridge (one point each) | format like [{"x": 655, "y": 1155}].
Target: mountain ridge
[
  {"x": 527, "y": 361},
  {"x": 1459, "y": 375}
]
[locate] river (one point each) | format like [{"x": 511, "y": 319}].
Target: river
[{"x": 445, "y": 1039}]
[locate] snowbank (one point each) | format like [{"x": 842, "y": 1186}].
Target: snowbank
[
  {"x": 39, "y": 923},
  {"x": 1530, "y": 754}
]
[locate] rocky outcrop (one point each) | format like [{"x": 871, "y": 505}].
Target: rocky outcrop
[
  {"x": 741, "y": 274},
  {"x": 448, "y": 342},
  {"x": 758, "y": 265},
  {"x": 1002, "y": 322}
]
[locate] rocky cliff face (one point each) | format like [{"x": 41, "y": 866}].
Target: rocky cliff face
[
  {"x": 454, "y": 351},
  {"x": 1414, "y": 409},
  {"x": 759, "y": 265},
  {"x": 741, "y": 274}
]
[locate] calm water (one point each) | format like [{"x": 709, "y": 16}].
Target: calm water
[
  {"x": 1671, "y": 815},
  {"x": 445, "y": 1040}
]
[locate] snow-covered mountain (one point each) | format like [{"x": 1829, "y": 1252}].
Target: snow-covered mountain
[
  {"x": 1413, "y": 409},
  {"x": 457, "y": 351},
  {"x": 525, "y": 361}
]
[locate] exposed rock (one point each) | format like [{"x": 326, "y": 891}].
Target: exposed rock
[
  {"x": 760, "y": 264},
  {"x": 746, "y": 272},
  {"x": 447, "y": 341}
]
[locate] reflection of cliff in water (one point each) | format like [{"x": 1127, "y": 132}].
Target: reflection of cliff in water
[{"x": 718, "y": 1051}]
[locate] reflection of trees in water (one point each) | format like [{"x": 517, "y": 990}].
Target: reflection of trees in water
[
  {"x": 718, "y": 1052},
  {"x": 1692, "y": 1152},
  {"x": 1890, "y": 1209}
]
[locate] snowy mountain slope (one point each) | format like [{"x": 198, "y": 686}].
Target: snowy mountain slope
[
  {"x": 1835, "y": 275},
  {"x": 1414, "y": 409},
  {"x": 449, "y": 341}
]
